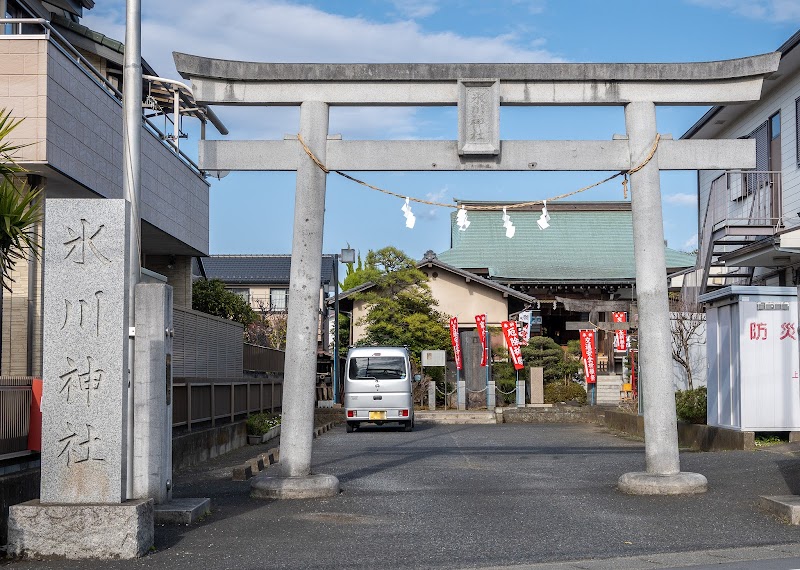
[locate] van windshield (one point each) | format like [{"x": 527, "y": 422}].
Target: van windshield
[{"x": 378, "y": 367}]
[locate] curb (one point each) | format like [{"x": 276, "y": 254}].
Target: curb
[{"x": 259, "y": 463}]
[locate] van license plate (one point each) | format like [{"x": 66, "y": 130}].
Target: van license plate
[{"x": 377, "y": 415}]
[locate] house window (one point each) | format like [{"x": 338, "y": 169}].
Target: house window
[
  {"x": 797, "y": 129},
  {"x": 775, "y": 126},
  {"x": 751, "y": 182},
  {"x": 243, "y": 292},
  {"x": 278, "y": 299}
]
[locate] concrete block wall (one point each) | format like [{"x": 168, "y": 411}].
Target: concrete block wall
[
  {"x": 178, "y": 271},
  {"x": 15, "y": 324},
  {"x": 84, "y": 140},
  {"x": 75, "y": 125},
  {"x": 23, "y": 91}
]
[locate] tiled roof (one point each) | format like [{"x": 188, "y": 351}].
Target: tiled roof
[
  {"x": 430, "y": 258},
  {"x": 257, "y": 269},
  {"x": 581, "y": 245}
]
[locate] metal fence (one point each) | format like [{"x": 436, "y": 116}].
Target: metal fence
[
  {"x": 209, "y": 401},
  {"x": 15, "y": 407},
  {"x": 263, "y": 359},
  {"x": 206, "y": 346}
]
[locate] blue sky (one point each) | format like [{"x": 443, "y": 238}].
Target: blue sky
[{"x": 253, "y": 212}]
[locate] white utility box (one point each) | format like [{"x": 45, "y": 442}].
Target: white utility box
[{"x": 752, "y": 352}]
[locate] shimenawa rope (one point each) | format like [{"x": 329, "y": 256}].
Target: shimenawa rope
[{"x": 624, "y": 173}]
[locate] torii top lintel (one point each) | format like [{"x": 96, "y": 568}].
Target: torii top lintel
[
  {"x": 220, "y": 81},
  {"x": 479, "y": 89}
]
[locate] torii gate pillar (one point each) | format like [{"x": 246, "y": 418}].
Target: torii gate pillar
[
  {"x": 294, "y": 479},
  {"x": 663, "y": 475}
]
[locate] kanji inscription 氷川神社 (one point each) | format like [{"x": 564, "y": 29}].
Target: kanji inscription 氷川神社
[{"x": 84, "y": 352}]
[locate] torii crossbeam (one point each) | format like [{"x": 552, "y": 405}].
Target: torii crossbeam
[{"x": 478, "y": 90}]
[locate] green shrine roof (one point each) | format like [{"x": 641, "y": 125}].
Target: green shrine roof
[{"x": 586, "y": 242}]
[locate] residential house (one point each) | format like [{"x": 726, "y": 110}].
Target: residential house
[
  {"x": 64, "y": 81},
  {"x": 459, "y": 293},
  {"x": 263, "y": 281},
  {"x": 748, "y": 225}
]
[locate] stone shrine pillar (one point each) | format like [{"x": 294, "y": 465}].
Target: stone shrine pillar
[
  {"x": 83, "y": 512},
  {"x": 537, "y": 385},
  {"x": 663, "y": 475},
  {"x": 297, "y": 425},
  {"x": 473, "y": 374}
]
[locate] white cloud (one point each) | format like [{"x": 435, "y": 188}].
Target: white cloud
[
  {"x": 416, "y": 8},
  {"x": 781, "y": 11},
  {"x": 690, "y": 244},
  {"x": 281, "y": 31},
  {"x": 429, "y": 212},
  {"x": 681, "y": 199}
]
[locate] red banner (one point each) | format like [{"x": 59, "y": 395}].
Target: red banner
[
  {"x": 589, "y": 358},
  {"x": 480, "y": 322},
  {"x": 620, "y": 336},
  {"x": 456, "y": 340},
  {"x": 512, "y": 340}
]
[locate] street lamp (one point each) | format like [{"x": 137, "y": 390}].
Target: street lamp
[{"x": 347, "y": 256}]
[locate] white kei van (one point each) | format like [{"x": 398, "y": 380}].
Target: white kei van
[{"x": 377, "y": 387}]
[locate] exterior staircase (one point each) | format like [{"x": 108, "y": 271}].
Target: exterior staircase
[
  {"x": 608, "y": 389},
  {"x": 742, "y": 208}
]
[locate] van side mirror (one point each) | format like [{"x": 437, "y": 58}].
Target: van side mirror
[{"x": 417, "y": 377}]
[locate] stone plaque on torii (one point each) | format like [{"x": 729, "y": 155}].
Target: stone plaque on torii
[{"x": 478, "y": 90}]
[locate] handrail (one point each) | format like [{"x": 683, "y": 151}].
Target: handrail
[{"x": 67, "y": 46}]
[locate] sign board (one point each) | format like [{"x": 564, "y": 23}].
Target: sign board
[{"x": 433, "y": 358}]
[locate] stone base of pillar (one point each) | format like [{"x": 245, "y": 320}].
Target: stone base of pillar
[
  {"x": 81, "y": 531},
  {"x": 308, "y": 487},
  {"x": 642, "y": 483}
]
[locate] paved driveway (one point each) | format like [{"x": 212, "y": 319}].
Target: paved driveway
[{"x": 472, "y": 496}]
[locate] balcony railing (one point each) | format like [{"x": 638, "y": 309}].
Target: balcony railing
[
  {"x": 33, "y": 28},
  {"x": 751, "y": 198},
  {"x": 742, "y": 206}
]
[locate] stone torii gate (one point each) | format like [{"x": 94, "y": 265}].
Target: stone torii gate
[{"x": 478, "y": 90}]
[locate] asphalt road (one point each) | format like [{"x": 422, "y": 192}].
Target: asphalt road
[{"x": 483, "y": 496}]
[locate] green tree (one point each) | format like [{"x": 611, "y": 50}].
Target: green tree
[
  {"x": 545, "y": 352},
  {"x": 358, "y": 275},
  {"x": 401, "y": 309},
  {"x": 210, "y": 296}
]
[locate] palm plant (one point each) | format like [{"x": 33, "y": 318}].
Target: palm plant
[
  {"x": 8, "y": 165},
  {"x": 20, "y": 212},
  {"x": 20, "y": 206}
]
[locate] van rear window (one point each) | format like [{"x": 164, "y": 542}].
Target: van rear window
[{"x": 378, "y": 367}]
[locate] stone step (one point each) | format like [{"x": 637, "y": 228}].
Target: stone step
[{"x": 448, "y": 417}]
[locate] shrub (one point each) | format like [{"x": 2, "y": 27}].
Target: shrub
[
  {"x": 555, "y": 392},
  {"x": 505, "y": 379},
  {"x": 259, "y": 424},
  {"x": 691, "y": 405}
]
